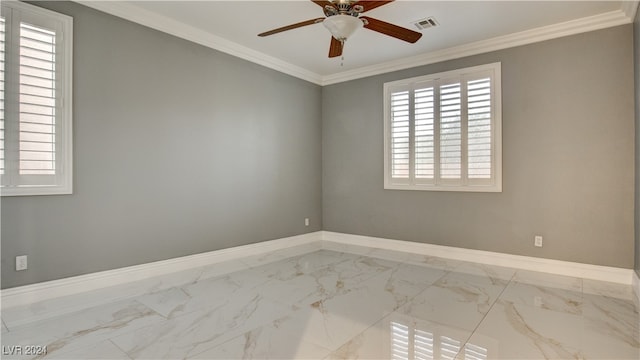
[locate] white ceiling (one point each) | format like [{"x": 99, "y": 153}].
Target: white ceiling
[{"x": 465, "y": 28}]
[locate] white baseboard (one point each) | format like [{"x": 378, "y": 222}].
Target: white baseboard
[
  {"x": 567, "y": 268},
  {"x": 28, "y": 294}
]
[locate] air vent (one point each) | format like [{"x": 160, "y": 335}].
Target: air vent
[{"x": 425, "y": 23}]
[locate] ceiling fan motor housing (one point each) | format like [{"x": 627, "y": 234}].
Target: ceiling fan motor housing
[{"x": 343, "y": 8}]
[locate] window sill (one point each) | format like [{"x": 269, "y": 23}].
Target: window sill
[
  {"x": 35, "y": 190},
  {"x": 458, "y": 188}
]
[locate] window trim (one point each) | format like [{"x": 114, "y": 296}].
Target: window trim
[
  {"x": 64, "y": 101},
  {"x": 495, "y": 184}
]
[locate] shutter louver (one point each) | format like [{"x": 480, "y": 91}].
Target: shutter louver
[
  {"x": 479, "y": 125},
  {"x": 450, "y": 132},
  {"x": 424, "y": 133},
  {"x": 400, "y": 135},
  {"x": 37, "y": 140},
  {"x": 2, "y": 67}
]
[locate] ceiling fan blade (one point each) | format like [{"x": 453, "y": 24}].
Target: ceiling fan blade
[
  {"x": 391, "y": 30},
  {"x": 335, "y": 49},
  {"x": 292, "y": 26},
  {"x": 370, "y": 5}
]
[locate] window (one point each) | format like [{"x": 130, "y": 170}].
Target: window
[
  {"x": 35, "y": 101},
  {"x": 443, "y": 131}
]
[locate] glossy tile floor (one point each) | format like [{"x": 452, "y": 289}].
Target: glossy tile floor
[{"x": 364, "y": 304}]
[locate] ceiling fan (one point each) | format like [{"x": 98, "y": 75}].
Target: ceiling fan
[{"x": 342, "y": 19}]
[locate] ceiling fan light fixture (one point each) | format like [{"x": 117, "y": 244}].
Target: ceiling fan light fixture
[{"x": 342, "y": 26}]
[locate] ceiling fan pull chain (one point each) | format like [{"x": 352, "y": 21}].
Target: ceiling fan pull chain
[{"x": 342, "y": 58}]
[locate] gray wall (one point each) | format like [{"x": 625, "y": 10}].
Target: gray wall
[
  {"x": 568, "y": 158},
  {"x": 636, "y": 62},
  {"x": 178, "y": 149}
]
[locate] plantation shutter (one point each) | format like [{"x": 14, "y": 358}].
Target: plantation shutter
[
  {"x": 37, "y": 100},
  {"x": 424, "y": 122},
  {"x": 443, "y": 131},
  {"x": 480, "y": 139},
  {"x": 451, "y": 132},
  {"x": 400, "y": 134}
]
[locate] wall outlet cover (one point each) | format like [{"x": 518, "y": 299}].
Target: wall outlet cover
[
  {"x": 538, "y": 241},
  {"x": 21, "y": 262}
]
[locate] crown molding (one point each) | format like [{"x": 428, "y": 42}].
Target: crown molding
[
  {"x": 630, "y": 8},
  {"x": 624, "y": 15},
  {"x": 586, "y": 24},
  {"x": 167, "y": 25}
]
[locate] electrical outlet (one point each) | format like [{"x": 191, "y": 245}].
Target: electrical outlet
[
  {"x": 306, "y": 221},
  {"x": 537, "y": 241},
  {"x": 21, "y": 262}
]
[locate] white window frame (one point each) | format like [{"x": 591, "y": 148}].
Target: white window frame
[
  {"x": 12, "y": 183},
  {"x": 464, "y": 184}
]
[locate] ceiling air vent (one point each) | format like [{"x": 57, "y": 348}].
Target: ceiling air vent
[{"x": 425, "y": 23}]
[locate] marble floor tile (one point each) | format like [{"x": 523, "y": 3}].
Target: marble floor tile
[
  {"x": 201, "y": 296},
  {"x": 403, "y": 282},
  {"x": 328, "y": 324},
  {"x": 433, "y": 262},
  {"x": 269, "y": 341},
  {"x": 548, "y": 298},
  {"x": 497, "y": 274},
  {"x": 81, "y": 329},
  {"x": 166, "y": 303},
  {"x": 273, "y": 256},
  {"x": 343, "y": 275},
  {"x": 613, "y": 318},
  {"x": 357, "y": 302},
  {"x": 458, "y": 299},
  {"x": 237, "y": 281},
  {"x": 105, "y": 350},
  {"x": 220, "y": 269},
  {"x": 293, "y": 267},
  {"x": 305, "y": 289},
  {"x": 198, "y": 331},
  {"x": 346, "y": 248},
  {"x": 513, "y": 331},
  {"x": 608, "y": 289},
  {"x": 385, "y": 254},
  {"x": 548, "y": 280},
  {"x": 55, "y": 307}
]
